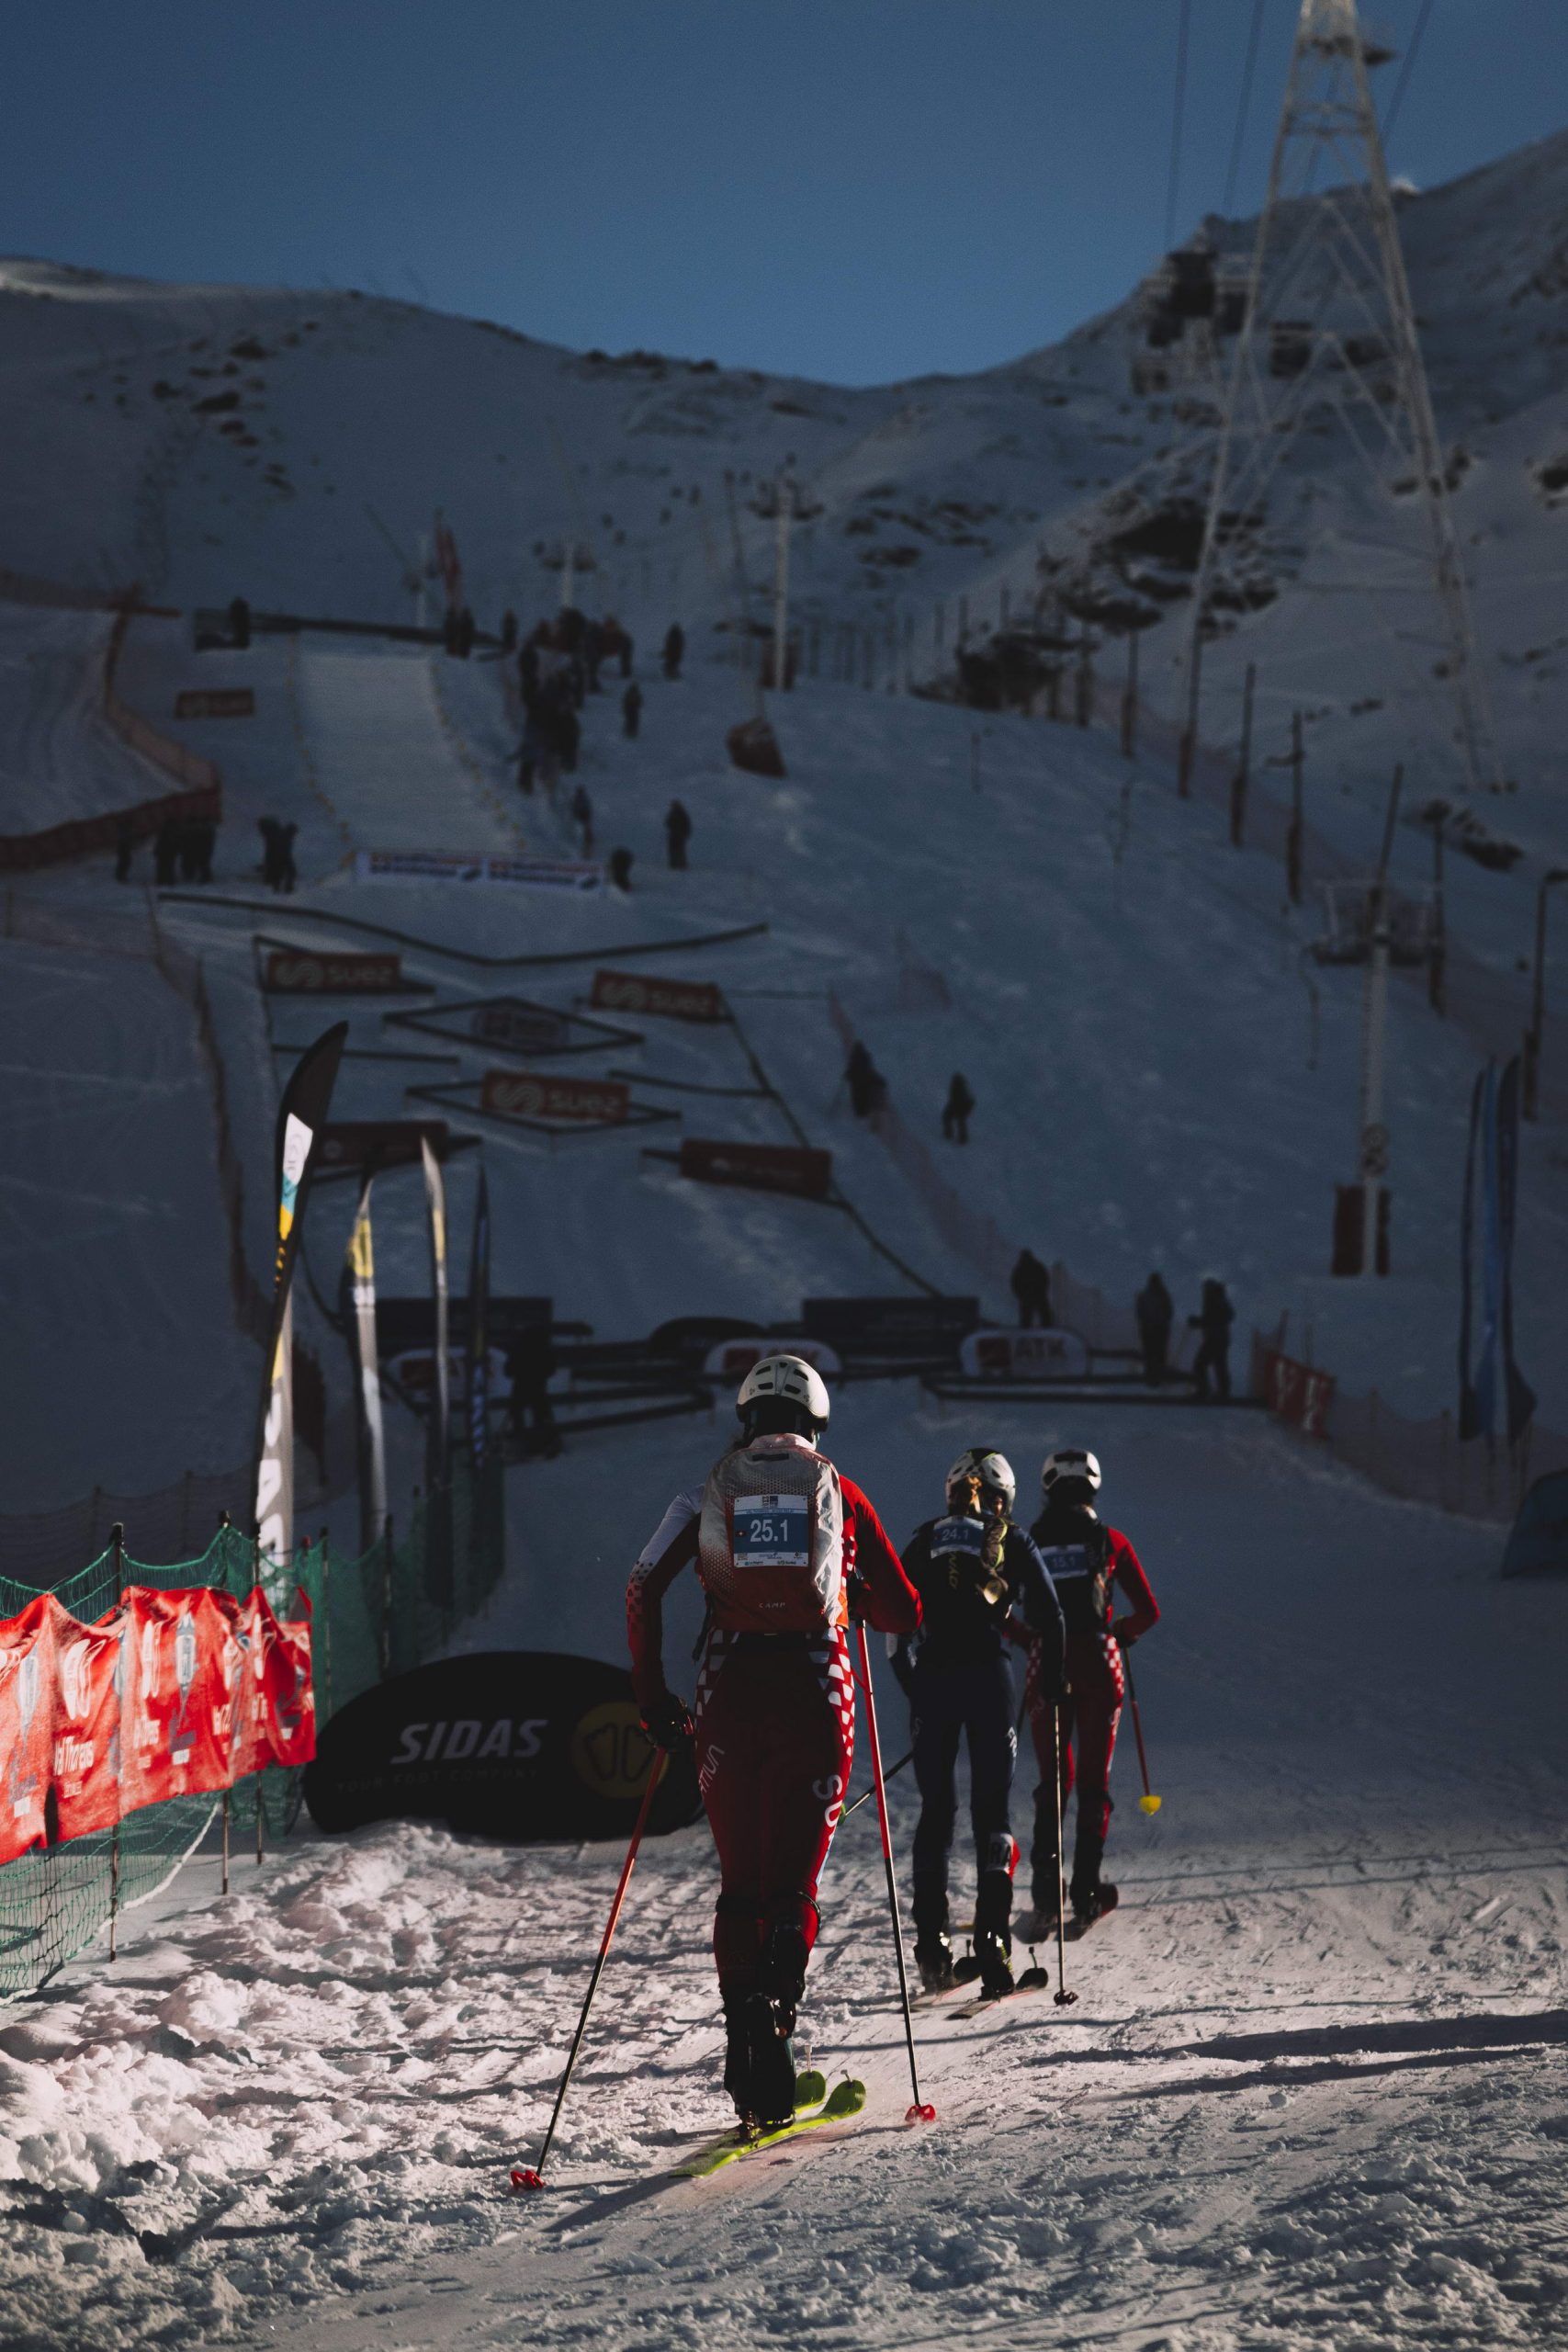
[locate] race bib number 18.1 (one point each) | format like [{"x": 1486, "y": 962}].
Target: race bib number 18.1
[{"x": 772, "y": 1531}]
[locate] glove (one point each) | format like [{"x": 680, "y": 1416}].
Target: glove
[
  {"x": 1121, "y": 1629},
  {"x": 667, "y": 1722}
]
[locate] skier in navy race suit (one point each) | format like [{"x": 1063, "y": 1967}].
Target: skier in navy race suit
[
  {"x": 785, "y": 1547},
  {"x": 971, "y": 1567}
]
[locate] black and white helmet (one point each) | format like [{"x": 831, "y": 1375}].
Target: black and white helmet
[
  {"x": 993, "y": 1470},
  {"x": 793, "y": 1380},
  {"x": 1069, "y": 1465}
]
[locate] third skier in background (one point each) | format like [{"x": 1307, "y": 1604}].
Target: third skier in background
[
  {"x": 971, "y": 1567},
  {"x": 1087, "y": 1561}
]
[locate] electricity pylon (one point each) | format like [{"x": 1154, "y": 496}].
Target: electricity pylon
[{"x": 1328, "y": 327}]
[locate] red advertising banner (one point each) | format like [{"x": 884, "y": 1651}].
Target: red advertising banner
[
  {"x": 27, "y": 1723},
  {"x": 1296, "y": 1393},
  {"x": 216, "y": 702},
  {"x": 635, "y": 992},
  {"x": 176, "y": 1694},
  {"x": 526, "y": 1094},
  {"x": 300, "y": 971},
  {"x": 767, "y": 1167},
  {"x": 91, "y": 1680}
]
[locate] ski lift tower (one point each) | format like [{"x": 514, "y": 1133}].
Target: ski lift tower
[{"x": 1328, "y": 327}]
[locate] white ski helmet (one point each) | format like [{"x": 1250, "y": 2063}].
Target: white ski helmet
[
  {"x": 1069, "y": 1465},
  {"x": 992, "y": 1469},
  {"x": 792, "y": 1378}
]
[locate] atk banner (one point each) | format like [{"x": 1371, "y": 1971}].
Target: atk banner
[
  {"x": 176, "y": 1693},
  {"x": 302, "y": 1115},
  {"x": 478, "y": 1326},
  {"x": 359, "y": 1274}
]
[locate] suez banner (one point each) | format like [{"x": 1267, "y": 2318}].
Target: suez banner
[
  {"x": 169, "y": 1694},
  {"x": 765, "y": 1167},
  {"x": 302, "y": 971},
  {"x": 513, "y": 1743},
  {"x": 442, "y": 866},
  {"x": 529, "y": 1094},
  {"x": 1296, "y": 1393},
  {"x": 1023, "y": 1355},
  {"x": 677, "y": 1000},
  {"x": 216, "y": 702}
]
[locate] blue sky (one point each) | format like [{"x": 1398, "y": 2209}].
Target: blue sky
[{"x": 855, "y": 189}]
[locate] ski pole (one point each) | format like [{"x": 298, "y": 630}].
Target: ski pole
[
  {"x": 532, "y": 2176},
  {"x": 1148, "y": 1802},
  {"x": 1062, "y": 1997},
  {"x": 921, "y": 2112},
  {"x": 891, "y": 1773}
]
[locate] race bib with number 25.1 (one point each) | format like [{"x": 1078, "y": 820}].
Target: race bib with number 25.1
[{"x": 772, "y": 1531}]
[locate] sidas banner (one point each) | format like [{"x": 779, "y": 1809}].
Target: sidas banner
[
  {"x": 1296, "y": 1393},
  {"x": 1023, "y": 1355},
  {"x": 301, "y": 971},
  {"x": 678, "y": 1000},
  {"x": 528, "y": 1094},
  {"x": 766, "y": 1167},
  {"x": 216, "y": 702},
  {"x": 176, "y": 1693}
]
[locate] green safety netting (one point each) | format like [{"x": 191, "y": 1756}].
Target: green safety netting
[{"x": 389, "y": 1609}]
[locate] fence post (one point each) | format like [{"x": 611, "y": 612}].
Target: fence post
[
  {"x": 1188, "y": 752},
  {"x": 1129, "y": 699},
  {"x": 1239, "y": 781},
  {"x": 1084, "y": 683},
  {"x": 963, "y": 623},
  {"x": 116, "y": 1550},
  {"x": 1294, "y": 837}
]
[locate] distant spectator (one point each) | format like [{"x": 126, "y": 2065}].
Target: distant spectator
[
  {"x": 581, "y": 809},
  {"x": 1213, "y": 1323},
  {"x": 509, "y": 631},
  {"x": 124, "y": 849},
  {"x": 530, "y": 1360},
  {"x": 677, "y": 834},
  {"x": 868, "y": 1088},
  {"x": 674, "y": 650},
  {"x": 240, "y": 624},
  {"x": 1031, "y": 1287},
  {"x": 631, "y": 711},
  {"x": 1155, "y": 1312},
  {"x": 956, "y": 1109},
  {"x": 165, "y": 853},
  {"x": 621, "y": 868}
]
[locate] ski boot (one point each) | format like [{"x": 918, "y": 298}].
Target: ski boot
[
  {"x": 737, "y": 2052},
  {"x": 993, "y": 1954},
  {"x": 1038, "y": 1924},
  {"x": 781, "y": 1980},
  {"x": 933, "y": 1958},
  {"x": 1092, "y": 1903}
]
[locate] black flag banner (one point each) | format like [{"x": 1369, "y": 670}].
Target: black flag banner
[
  {"x": 522, "y": 1745},
  {"x": 478, "y": 1327},
  {"x": 302, "y": 1115}
]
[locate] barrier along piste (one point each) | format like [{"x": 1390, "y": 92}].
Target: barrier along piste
[{"x": 144, "y": 1704}]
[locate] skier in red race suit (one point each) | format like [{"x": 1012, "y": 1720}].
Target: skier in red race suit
[
  {"x": 784, "y": 1548},
  {"x": 1087, "y": 1562}
]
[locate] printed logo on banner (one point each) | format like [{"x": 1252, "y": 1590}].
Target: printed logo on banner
[
  {"x": 526, "y": 1094},
  {"x": 298, "y": 972},
  {"x": 637, "y": 992}
]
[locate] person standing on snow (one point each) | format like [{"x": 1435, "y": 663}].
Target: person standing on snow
[
  {"x": 1213, "y": 1323},
  {"x": 1155, "y": 1312},
  {"x": 677, "y": 834},
  {"x": 581, "y": 809},
  {"x": 784, "y": 1548},
  {"x": 1086, "y": 1561},
  {"x": 631, "y": 711},
  {"x": 674, "y": 650},
  {"x": 1031, "y": 1285},
  {"x": 971, "y": 1567},
  {"x": 956, "y": 1109}
]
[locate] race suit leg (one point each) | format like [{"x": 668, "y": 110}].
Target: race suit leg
[
  {"x": 776, "y": 1739},
  {"x": 993, "y": 1751},
  {"x": 936, "y": 1719},
  {"x": 1044, "y": 1874},
  {"x": 1098, "y": 1687}
]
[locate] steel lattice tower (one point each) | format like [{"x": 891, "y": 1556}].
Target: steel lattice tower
[{"x": 1328, "y": 324}]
